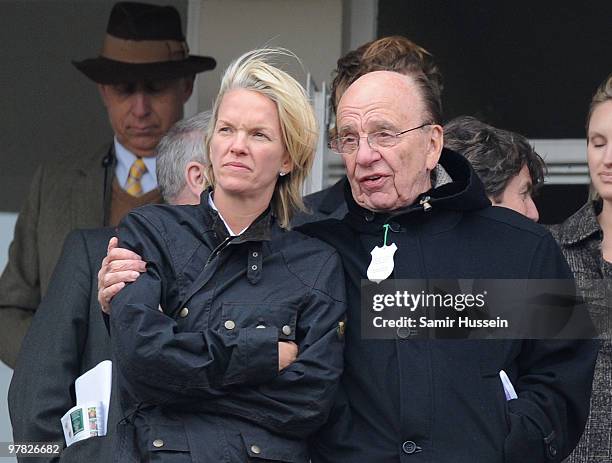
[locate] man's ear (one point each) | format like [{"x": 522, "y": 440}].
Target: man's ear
[
  {"x": 102, "y": 91},
  {"x": 187, "y": 87},
  {"x": 195, "y": 176},
  {"x": 435, "y": 143}
]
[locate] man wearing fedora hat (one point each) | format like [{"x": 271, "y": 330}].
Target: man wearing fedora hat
[{"x": 144, "y": 75}]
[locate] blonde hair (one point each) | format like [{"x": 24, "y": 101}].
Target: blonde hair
[
  {"x": 602, "y": 94},
  {"x": 254, "y": 71}
]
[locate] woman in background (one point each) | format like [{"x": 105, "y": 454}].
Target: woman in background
[{"x": 586, "y": 241}]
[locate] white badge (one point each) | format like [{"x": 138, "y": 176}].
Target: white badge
[{"x": 382, "y": 264}]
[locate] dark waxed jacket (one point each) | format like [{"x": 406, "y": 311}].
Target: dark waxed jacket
[
  {"x": 195, "y": 338},
  {"x": 440, "y": 401},
  {"x": 328, "y": 203}
]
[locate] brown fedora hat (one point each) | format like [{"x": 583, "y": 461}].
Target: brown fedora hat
[{"x": 143, "y": 42}]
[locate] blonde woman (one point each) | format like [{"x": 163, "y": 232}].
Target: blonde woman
[
  {"x": 586, "y": 241},
  {"x": 227, "y": 347}
]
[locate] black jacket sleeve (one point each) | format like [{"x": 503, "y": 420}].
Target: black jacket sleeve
[
  {"x": 553, "y": 384},
  {"x": 159, "y": 362},
  {"x": 297, "y": 402}
]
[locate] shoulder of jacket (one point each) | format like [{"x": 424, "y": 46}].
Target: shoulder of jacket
[
  {"x": 309, "y": 243},
  {"x": 95, "y": 237},
  {"x": 326, "y": 229},
  {"x": 70, "y": 162},
  {"x": 508, "y": 219},
  {"x": 305, "y": 256},
  {"x": 91, "y": 243},
  {"x": 166, "y": 214}
]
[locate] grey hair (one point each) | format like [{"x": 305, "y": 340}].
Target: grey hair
[
  {"x": 183, "y": 143},
  {"x": 496, "y": 155}
]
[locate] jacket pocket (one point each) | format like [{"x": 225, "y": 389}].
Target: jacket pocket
[
  {"x": 91, "y": 449},
  {"x": 263, "y": 446},
  {"x": 237, "y": 315},
  {"x": 496, "y": 355},
  {"x": 168, "y": 443}
]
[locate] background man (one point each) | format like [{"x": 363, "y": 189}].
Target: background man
[
  {"x": 145, "y": 75},
  {"x": 508, "y": 166},
  {"x": 68, "y": 324}
]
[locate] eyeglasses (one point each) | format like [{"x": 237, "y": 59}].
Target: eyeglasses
[{"x": 381, "y": 139}]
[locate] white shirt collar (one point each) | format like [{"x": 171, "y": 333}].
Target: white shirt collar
[{"x": 211, "y": 203}]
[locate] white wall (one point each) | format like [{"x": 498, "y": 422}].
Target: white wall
[
  {"x": 7, "y": 225},
  {"x": 311, "y": 29}
]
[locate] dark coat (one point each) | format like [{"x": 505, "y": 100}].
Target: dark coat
[
  {"x": 67, "y": 338},
  {"x": 328, "y": 203},
  {"x": 195, "y": 338},
  {"x": 580, "y": 240},
  {"x": 64, "y": 195},
  {"x": 440, "y": 401}
]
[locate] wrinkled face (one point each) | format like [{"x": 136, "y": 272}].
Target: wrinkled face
[
  {"x": 141, "y": 113},
  {"x": 599, "y": 149},
  {"x": 517, "y": 195},
  {"x": 246, "y": 148},
  {"x": 385, "y": 179}
]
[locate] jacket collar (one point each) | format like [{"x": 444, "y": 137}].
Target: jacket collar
[
  {"x": 259, "y": 230},
  {"x": 334, "y": 197},
  {"x": 456, "y": 188},
  {"x": 582, "y": 225}
]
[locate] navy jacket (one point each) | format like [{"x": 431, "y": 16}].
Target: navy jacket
[
  {"x": 328, "y": 203},
  {"x": 440, "y": 401},
  {"x": 195, "y": 338}
]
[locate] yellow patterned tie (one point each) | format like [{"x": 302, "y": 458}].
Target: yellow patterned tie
[{"x": 133, "y": 186}]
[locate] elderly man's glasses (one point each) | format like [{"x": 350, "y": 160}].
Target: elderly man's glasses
[{"x": 381, "y": 139}]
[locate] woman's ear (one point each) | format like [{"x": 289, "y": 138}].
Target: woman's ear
[{"x": 287, "y": 164}]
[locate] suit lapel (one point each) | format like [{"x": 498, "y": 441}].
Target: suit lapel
[{"x": 87, "y": 196}]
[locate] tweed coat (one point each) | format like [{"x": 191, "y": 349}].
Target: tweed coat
[
  {"x": 64, "y": 195},
  {"x": 580, "y": 240}
]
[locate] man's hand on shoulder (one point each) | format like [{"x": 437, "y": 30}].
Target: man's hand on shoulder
[{"x": 120, "y": 266}]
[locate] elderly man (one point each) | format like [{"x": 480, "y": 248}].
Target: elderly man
[
  {"x": 403, "y": 399},
  {"x": 508, "y": 166},
  {"x": 393, "y": 53},
  {"x": 68, "y": 325},
  {"x": 144, "y": 75}
]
